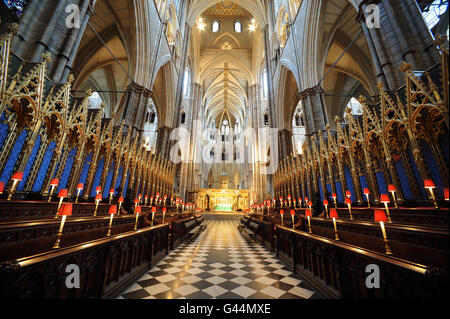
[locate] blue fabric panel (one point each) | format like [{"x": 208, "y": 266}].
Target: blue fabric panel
[
  {"x": 381, "y": 183},
  {"x": 340, "y": 193},
  {"x": 44, "y": 167},
  {"x": 363, "y": 182},
  {"x": 330, "y": 192},
  {"x": 417, "y": 175},
  {"x": 407, "y": 193},
  {"x": 17, "y": 148},
  {"x": 85, "y": 171},
  {"x": 4, "y": 130},
  {"x": 30, "y": 163},
  {"x": 434, "y": 170},
  {"x": 108, "y": 181},
  {"x": 320, "y": 189},
  {"x": 119, "y": 178},
  {"x": 443, "y": 143},
  {"x": 66, "y": 173},
  {"x": 124, "y": 191},
  {"x": 348, "y": 178},
  {"x": 98, "y": 176}
]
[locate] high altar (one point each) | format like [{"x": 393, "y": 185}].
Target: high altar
[{"x": 223, "y": 199}]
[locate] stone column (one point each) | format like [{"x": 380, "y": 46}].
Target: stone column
[
  {"x": 37, "y": 34},
  {"x": 402, "y": 36}
]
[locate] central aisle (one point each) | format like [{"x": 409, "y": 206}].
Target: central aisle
[{"x": 219, "y": 264}]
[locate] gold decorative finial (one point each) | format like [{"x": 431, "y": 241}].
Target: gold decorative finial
[
  {"x": 47, "y": 57},
  {"x": 13, "y": 28},
  {"x": 70, "y": 78}
]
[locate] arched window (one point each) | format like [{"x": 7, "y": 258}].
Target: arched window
[
  {"x": 298, "y": 128},
  {"x": 16, "y": 6},
  {"x": 151, "y": 126},
  {"x": 264, "y": 85},
  {"x": 266, "y": 118},
  {"x": 225, "y": 127},
  {"x": 355, "y": 106},
  {"x": 95, "y": 101},
  {"x": 186, "y": 81},
  {"x": 433, "y": 11},
  {"x": 215, "y": 26},
  {"x": 238, "y": 27}
]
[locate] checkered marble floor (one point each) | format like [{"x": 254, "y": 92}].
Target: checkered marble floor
[{"x": 219, "y": 264}]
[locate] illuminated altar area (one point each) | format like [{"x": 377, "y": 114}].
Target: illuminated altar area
[{"x": 224, "y": 200}]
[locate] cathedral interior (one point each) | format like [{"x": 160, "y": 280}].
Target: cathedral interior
[{"x": 206, "y": 149}]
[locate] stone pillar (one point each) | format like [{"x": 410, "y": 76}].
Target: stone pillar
[
  {"x": 402, "y": 36},
  {"x": 43, "y": 28},
  {"x": 316, "y": 116}
]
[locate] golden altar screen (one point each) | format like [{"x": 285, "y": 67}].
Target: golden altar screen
[{"x": 223, "y": 199}]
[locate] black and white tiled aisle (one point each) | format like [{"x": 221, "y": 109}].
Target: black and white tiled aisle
[{"x": 219, "y": 264}]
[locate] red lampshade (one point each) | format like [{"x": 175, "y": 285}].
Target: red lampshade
[
  {"x": 136, "y": 200},
  {"x": 17, "y": 176},
  {"x": 380, "y": 216},
  {"x": 2, "y": 187},
  {"x": 146, "y": 196},
  {"x": 281, "y": 212},
  {"x": 54, "y": 182},
  {"x": 292, "y": 212},
  {"x": 138, "y": 210},
  {"x": 151, "y": 198},
  {"x": 111, "y": 191},
  {"x": 428, "y": 183},
  {"x": 98, "y": 189},
  {"x": 308, "y": 213},
  {"x": 164, "y": 209},
  {"x": 289, "y": 196},
  {"x": 334, "y": 195},
  {"x": 157, "y": 194},
  {"x": 325, "y": 202},
  {"x": 391, "y": 188},
  {"x": 348, "y": 200},
  {"x": 120, "y": 199},
  {"x": 62, "y": 193},
  {"x": 140, "y": 196},
  {"x": 299, "y": 199},
  {"x": 113, "y": 210},
  {"x": 333, "y": 213},
  {"x": 281, "y": 198},
  {"x": 384, "y": 198},
  {"x": 366, "y": 191},
  {"x": 310, "y": 203},
  {"x": 66, "y": 210},
  {"x": 153, "y": 209},
  {"x": 306, "y": 199},
  {"x": 348, "y": 193},
  {"x": 98, "y": 197},
  {"x": 80, "y": 186},
  {"x": 446, "y": 195}
]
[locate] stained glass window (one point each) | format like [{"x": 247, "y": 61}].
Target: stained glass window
[{"x": 16, "y": 6}]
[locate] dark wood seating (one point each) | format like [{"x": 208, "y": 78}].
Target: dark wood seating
[
  {"x": 425, "y": 245},
  {"x": 20, "y": 239},
  {"x": 337, "y": 269},
  {"x": 23, "y": 210},
  {"x": 249, "y": 230},
  {"x": 107, "y": 266}
]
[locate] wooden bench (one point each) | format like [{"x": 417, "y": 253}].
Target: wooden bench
[
  {"x": 25, "y": 238},
  {"x": 420, "y": 244},
  {"x": 338, "y": 270},
  {"x": 249, "y": 230}
]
